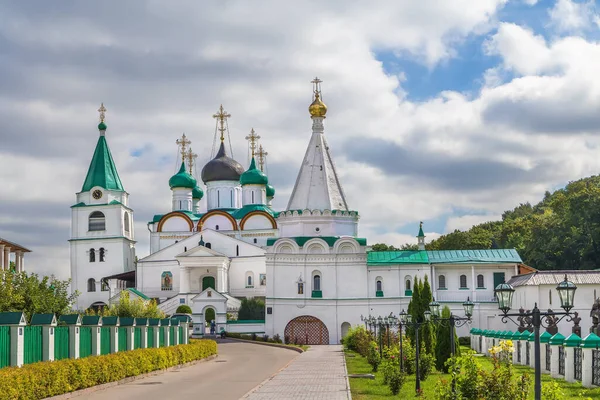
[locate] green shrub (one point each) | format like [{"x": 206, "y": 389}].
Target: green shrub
[
  {"x": 426, "y": 363},
  {"x": 183, "y": 309},
  {"x": 396, "y": 380},
  {"x": 465, "y": 341},
  {"x": 277, "y": 338},
  {"x": 358, "y": 339},
  {"x": 52, "y": 378},
  {"x": 373, "y": 357}
]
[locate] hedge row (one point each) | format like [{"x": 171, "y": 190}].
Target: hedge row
[
  {"x": 254, "y": 336},
  {"x": 52, "y": 378}
]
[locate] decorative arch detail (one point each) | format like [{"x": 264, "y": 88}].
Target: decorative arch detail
[
  {"x": 314, "y": 245},
  {"x": 346, "y": 245},
  {"x": 217, "y": 212},
  {"x": 284, "y": 244},
  {"x": 258, "y": 212},
  {"x": 174, "y": 214},
  {"x": 306, "y": 329}
]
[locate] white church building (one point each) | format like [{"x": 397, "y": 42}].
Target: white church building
[{"x": 308, "y": 262}]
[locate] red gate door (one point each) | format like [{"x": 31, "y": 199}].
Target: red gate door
[{"x": 306, "y": 330}]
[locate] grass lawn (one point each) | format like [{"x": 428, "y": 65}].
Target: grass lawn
[{"x": 363, "y": 389}]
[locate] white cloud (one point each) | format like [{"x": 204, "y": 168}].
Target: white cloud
[{"x": 573, "y": 17}]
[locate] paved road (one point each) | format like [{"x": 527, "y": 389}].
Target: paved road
[
  {"x": 318, "y": 374},
  {"x": 238, "y": 369}
]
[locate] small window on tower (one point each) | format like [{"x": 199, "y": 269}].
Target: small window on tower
[
  {"x": 104, "y": 286},
  {"x": 92, "y": 255},
  {"x": 96, "y": 221},
  {"x": 126, "y": 222},
  {"x": 91, "y": 286},
  {"x": 101, "y": 254},
  {"x": 217, "y": 227}
]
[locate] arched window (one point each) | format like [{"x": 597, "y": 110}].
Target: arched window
[
  {"x": 480, "y": 281},
  {"x": 101, "y": 254},
  {"x": 104, "y": 287},
  {"x": 97, "y": 221},
  {"x": 217, "y": 227},
  {"x": 126, "y": 222},
  {"x": 252, "y": 197},
  {"x": 317, "y": 282},
  {"x": 208, "y": 245},
  {"x": 249, "y": 279},
  {"x": 249, "y": 283},
  {"x": 231, "y": 194},
  {"x": 550, "y": 296},
  {"x": 92, "y": 255},
  {"x": 441, "y": 282},
  {"x": 408, "y": 284},
  {"x": 379, "y": 286},
  {"x": 255, "y": 240},
  {"x": 237, "y": 250},
  {"x": 91, "y": 285},
  {"x": 463, "y": 281}
]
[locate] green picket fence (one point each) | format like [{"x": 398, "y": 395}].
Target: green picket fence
[
  {"x": 161, "y": 337},
  {"x": 172, "y": 336},
  {"x": 180, "y": 334},
  {"x": 137, "y": 338},
  {"x": 122, "y": 339},
  {"x": 85, "y": 341},
  {"x": 33, "y": 347},
  {"x": 61, "y": 342},
  {"x": 105, "y": 340},
  {"x": 151, "y": 336},
  {"x": 4, "y": 346}
]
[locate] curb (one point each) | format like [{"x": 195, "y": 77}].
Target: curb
[
  {"x": 103, "y": 386},
  {"x": 348, "y": 391},
  {"x": 281, "y": 346}
]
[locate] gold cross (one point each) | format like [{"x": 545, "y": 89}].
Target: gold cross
[
  {"x": 183, "y": 143},
  {"x": 262, "y": 155},
  {"x": 191, "y": 157},
  {"x": 317, "y": 86},
  {"x": 102, "y": 110},
  {"x": 252, "y": 138},
  {"x": 222, "y": 116}
]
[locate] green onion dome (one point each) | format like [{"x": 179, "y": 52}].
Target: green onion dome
[
  {"x": 197, "y": 193},
  {"x": 182, "y": 179},
  {"x": 270, "y": 191},
  {"x": 102, "y": 126},
  {"x": 253, "y": 176}
]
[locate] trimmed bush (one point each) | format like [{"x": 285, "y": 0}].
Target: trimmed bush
[
  {"x": 183, "y": 309},
  {"x": 52, "y": 378}
]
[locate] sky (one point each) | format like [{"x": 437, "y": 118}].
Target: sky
[{"x": 446, "y": 112}]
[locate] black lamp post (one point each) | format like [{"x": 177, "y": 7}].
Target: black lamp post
[
  {"x": 566, "y": 293},
  {"x": 406, "y": 319},
  {"x": 453, "y": 320}
]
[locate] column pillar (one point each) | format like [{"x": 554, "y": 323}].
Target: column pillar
[
  {"x": 96, "y": 340},
  {"x": 130, "y": 337},
  {"x": 17, "y": 345},
  {"x": 2, "y": 267},
  {"x": 156, "y": 333},
  {"x": 186, "y": 333},
  {"x": 176, "y": 338},
  {"x": 554, "y": 362},
  {"x": 144, "y": 341},
  {"x": 114, "y": 339},
  {"x": 569, "y": 364},
  {"x": 74, "y": 341},
  {"x": 524, "y": 352},
  {"x": 543, "y": 357},
  {"x": 18, "y": 261},
  {"x": 47, "y": 343},
  {"x": 22, "y": 262},
  {"x": 7, "y": 257},
  {"x": 586, "y": 367},
  {"x": 167, "y": 328}
]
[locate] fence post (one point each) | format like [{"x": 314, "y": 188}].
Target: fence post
[
  {"x": 95, "y": 322},
  {"x": 186, "y": 332},
  {"x": 17, "y": 323},
  {"x": 166, "y": 325},
  {"x": 555, "y": 342},
  {"x": 531, "y": 341},
  {"x": 175, "y": 323},
  {"x": 143, "y": 324},
  {"x": 589, "y": 344},
  {"x": 153, "y": 327},
  {"x": 129, "y": 324},
  {"x": 74, "y": 322},
  {"x": 544, "y": 339},
  {"x": 570, "y": 343},
  {"x": 156, "y": 334},
  {"x": 48, "y": 322}
]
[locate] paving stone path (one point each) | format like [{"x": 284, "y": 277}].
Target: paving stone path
[{"x": 319, "y": 373}]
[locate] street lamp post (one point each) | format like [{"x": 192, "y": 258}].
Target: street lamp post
[
  {"x": 566, "y": 293},
  {"x": 453, "y": 320},
  {"x": 406, "y": 319}
]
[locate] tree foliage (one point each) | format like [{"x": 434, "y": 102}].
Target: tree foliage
[
  {"x": 126, "y": 307},
  {"x": 421, "y": 297},
  {"x": 252, "y": 309},
  {"x": 560, "y": 232},
  {"x": 20, "y": 291},
  {"x": 442, "y": 345},
  {"x": 183, "y": 309},
  {"x": 387, "y": 247}
]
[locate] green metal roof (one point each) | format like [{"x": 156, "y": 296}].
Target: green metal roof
[
  {"x": 141, "y": 322},
  {"x": 184, "y": 318},
  {"x": 270, "y": 190},
  {"x": 573, "y": 340},
  {"x": 182, "y": 179},
  {"x": 112, "y": 321},
  {"x": 421, "y": 234},
  {"x": 91, "y": 320},
  {"x": 545, "y": 337},
  {"x": 153, "y": 321},
  {"x": 165, "y": 322},
  {"x": 591, "y": 341},
  {"x": 138, "y": 293},
  {"x": 197, "y": 193},
  {"x": 397, "y": 257},
  {"x": 102, "y": 171},
  {"x": 242, "y": 212},
  {"x": 175, "y": 321},
  {"x": 330, "y": 240},
  {"x": 127, "y": 321},
  {"x": 43, "y": 319},
  {"x": 474, "y": 256},
  {"x": 70, "y": 319},
  {"x": 557, "y": 339}
]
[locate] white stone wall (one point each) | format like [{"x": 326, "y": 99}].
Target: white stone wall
[
  {"x": 317, "y": 223},
  {"x": 182, "y": 199},
  {"x": 254, "y": 194},
  {"x": 223, "y": 194}
]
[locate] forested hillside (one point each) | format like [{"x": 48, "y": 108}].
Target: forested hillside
[{"x": 560, "y": 232}]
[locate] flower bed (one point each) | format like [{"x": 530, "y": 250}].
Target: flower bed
[{"x": 52, "y": 378}]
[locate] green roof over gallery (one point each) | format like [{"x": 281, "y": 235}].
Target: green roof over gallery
[{"x": 443, "y": 256}]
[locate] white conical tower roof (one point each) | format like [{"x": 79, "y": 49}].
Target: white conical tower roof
[{"x": 317, "y": 186}]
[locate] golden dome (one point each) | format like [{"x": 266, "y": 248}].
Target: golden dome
[{"x": 317, "y": 108}]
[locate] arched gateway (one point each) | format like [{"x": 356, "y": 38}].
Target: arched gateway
[{"x": 306, "y": 330}]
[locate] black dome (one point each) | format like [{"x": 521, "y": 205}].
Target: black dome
[{"x": 222, "y": 168}]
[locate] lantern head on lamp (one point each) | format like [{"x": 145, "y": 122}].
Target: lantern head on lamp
[
  {"x": 402, "y": 317},
  {"x": 434, "y": 307},
  {"x": 504, "y": 293},
  {"x": 566, "y": 293},
  {"x": 468, "y": 306},
  {"x": 427, "y": 315}
]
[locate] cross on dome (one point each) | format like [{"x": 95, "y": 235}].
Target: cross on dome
[
  {"x": 183, "y": 143},
  {"x": 191, "y": 157},
  {"x": 252, "y": 138},
  {"x": 262, "y": 157},
  {"x": 102, "y": 110},
  {"x": 221, "y": 117}
]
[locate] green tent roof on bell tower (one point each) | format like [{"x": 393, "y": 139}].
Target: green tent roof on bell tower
[{"x": 102, "y": 171}]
